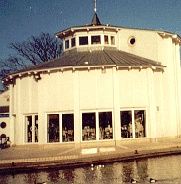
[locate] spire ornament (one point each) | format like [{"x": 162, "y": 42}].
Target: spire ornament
[
  {"x": 95, "y": 19},
  {"x": 95, "y": 4}
]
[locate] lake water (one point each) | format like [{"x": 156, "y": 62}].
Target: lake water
[{"x": 166, "y": 170}]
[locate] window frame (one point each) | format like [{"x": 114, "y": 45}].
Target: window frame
[
  {"x": 97, "y": 124},
  {"x": 67, "y": 44},
  {"x": 95, "y": 42},
  {"x": 74, "y": 38},
  {"x": 60, "y": 127},
  {"x": 133, "y": 121},
  {"x": 87, "y": 41},
  {"x": 33, "y": 129},
  {"x": 112, "y": 40},
  {"x": 107, "y": 40}
]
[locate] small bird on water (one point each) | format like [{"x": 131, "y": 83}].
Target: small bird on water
[
  {"x": 133, "y": 181},
  {"x": 152, "y": 180}
]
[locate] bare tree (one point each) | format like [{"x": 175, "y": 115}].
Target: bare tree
[
  {"x": 38, "y": 49},
  {"x": 35, "y": 50},
  {"x": 10, "y": 65}
]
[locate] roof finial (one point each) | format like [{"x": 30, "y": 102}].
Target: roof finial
[
  {"x": 95, "y": 6},
  {"x": 95, "y": 19}
]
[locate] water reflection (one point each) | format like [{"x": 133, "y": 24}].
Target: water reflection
[
  {"x": 142, "y": 169},
  {"x": 165, "y": 169}
]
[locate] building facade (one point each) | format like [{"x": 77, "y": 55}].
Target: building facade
[
  {"x": 110, "y": 84},
  {"x": 4, "y": 115}
]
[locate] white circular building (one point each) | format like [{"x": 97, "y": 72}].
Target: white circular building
[{"x": 111, "y": 84}]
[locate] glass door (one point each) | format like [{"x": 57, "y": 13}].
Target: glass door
[
  {"x": 133, "y": 123},
  {"x": 31, "y": 128}
]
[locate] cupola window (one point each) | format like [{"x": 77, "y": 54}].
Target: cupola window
[
  {"x": 112, "y": 40},
  {"x": 132, "y": 40},
  {"x": 96, "y": 39},
  {"x": 66, "y": 44},
  {"x": 106, "y": 39},
  {"x": 83, "y": 40},
  {"x": 73, "y": 42}
]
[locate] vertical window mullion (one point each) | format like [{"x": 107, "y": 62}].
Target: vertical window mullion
[
  {"x": 60, "y": 127},
  {"x": 33, "y": 128},
  {"x": 26, "y": 129},
  {"x": 133, "y": 123},
  {"x": 97, "y": 125}
]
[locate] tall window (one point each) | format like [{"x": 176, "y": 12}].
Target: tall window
[
  {"x": 105, "y": 125},
  {"x": 96, "y": 39},
  {"x": 112, "y": 40},
  {"x": 106, "y": 39},
  {"x": 36, "y": 128},
  {"x": 133, "y": 123},
  {"x": 126, "y": 124},
  {"x": 73, "y": 42},
  {"x": 53, "y": 128},
  {"x": 66, "y": 44},
  {"x": 67, "y": 127},
  {"x": 88, "y": 126},
  {"x": 31, "y": 128},
  {"x": 60, "y": 127},
  {"x": 83, "y": 40},
  {"x": 139, "y": 119}
]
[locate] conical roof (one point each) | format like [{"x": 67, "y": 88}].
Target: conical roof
[{"x": 95, "y": 20}]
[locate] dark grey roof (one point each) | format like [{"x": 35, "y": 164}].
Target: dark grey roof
[
  {"x": 4, "y": 109},
  {"x": 104, "y": 57},
  {"x": 95, "y": 20}
]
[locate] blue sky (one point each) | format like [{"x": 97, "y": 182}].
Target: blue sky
[{"x": 19, "y": 19}]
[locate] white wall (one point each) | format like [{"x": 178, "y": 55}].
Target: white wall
[
  {"x": 5, "y": 130},
  {"x": 108, "y": 89},
  {"x": 4, "y": 98},
  {"x": 145, "y": 45}
]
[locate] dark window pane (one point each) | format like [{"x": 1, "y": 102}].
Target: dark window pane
[
  {"x": 53, "y": 128},
  {"x": 83, "y": 40},
  {"x": 3, "y": 125},
  {"x": 28, "y": 128},
  {"x": 106, "y": 39},
  {"x": 36, "y": 128},
  {"x": 73, "y": 42},
  {"x": 140, "y": 117},
  {"x": 112, "y": 40},
  {"x": 95, "y": 39},
  {"x": 66, "y": 44},
  {"x": 105, "y": 125},
  {"x": 88, "y": 126},
  {"x": 67, "y": 127},
  {"x": 126, "y": 124}
]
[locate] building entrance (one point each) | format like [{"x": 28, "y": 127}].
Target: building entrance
[
  {"x": 133, "y": 123},
  {"x": 31, "y": 128}
]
